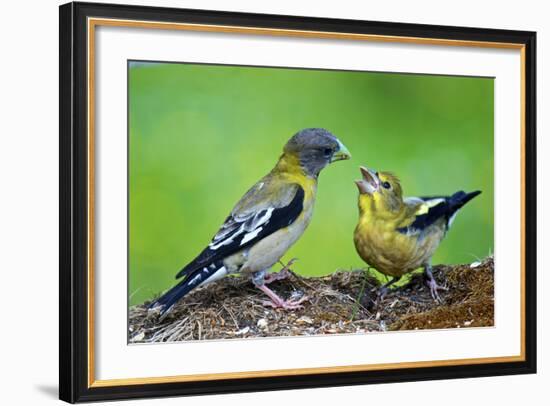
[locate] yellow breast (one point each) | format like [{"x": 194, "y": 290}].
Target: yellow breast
[{"x": 391, "y": 252}]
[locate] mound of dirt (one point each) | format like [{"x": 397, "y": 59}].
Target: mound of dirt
[{"x": 343, "y": 302}]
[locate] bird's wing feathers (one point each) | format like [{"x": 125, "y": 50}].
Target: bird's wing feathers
[
  {"x": 264, "y": 209},
  {"x": 428, "y": 210},
  {"x": 424, "y": 213}
]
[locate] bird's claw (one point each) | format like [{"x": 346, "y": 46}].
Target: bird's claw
[
  {"x": 434, "y": 288},
  {"x": 380, "y": 294},
  {"x": 286, "y": 304}
]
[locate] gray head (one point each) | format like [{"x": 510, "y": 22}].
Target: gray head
[{"x": 315, "y": 148}]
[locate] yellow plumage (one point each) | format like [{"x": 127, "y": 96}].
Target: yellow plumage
[
  {"x": 397, "y": 235},
  {"x": 270, "y": 217},
  {"x": 289, "y": 171}
]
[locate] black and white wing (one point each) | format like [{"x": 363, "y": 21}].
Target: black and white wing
[
  {"x": 429, "y": 210},
  {"x": 260, "y": 212},
  {"x": 264, "y": 209}
]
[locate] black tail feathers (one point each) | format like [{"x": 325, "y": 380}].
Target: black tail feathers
[
  {"x": 459, "y": 199},
  {"x": 167, "y": 300},
  {"x": 207, "y": 274},
  {"x": 456, "y": 202}
]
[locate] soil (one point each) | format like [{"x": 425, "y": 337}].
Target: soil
[{"x": 342, "y": 303}]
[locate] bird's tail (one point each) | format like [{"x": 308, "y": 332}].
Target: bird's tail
[
  {"x": 195, "y": 279},
  {"x": 459, "y": 199},
  {"x": 456, "y": 202}
]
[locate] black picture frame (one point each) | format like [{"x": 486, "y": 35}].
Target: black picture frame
[{"x": 73, "y": 283}]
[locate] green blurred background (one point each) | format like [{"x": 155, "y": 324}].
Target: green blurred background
[{"x": 201, "y": 135}]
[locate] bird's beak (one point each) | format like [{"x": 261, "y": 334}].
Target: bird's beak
[
  {"x": 369, "y": 183},
  {"x": 341, "y": 154}
]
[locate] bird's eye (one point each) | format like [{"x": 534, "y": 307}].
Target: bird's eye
[
  {"x": 386, "y": 185},
  {"x": 327, "y": 152}
]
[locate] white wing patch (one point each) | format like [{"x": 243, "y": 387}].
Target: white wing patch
[
  {"x": 223, "y": 242},
  {"x": 427, "y": 205},
  {"x": 220, "y": 273},
  {"x": 249, "y": 236},
  {"x": 195, "y": 279},
  {"x": 433, "y": 202},
  {"x": 412, "y": 200},
  {"x": 243, "y": 228}
]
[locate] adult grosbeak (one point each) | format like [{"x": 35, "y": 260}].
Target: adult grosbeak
[
  {"x": 397, "y": 235},
  {"x": 265, "y": 222}
]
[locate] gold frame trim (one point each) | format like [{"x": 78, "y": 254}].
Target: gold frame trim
[{"x": 94, "y": 22}]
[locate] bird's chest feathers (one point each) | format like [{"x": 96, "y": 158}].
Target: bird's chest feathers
[
  {"x": 388, "y": 250},
  {"x": 377, "y": 235},
  {"x": 308, "y": 184},
  {"x": 270, "y": 249}
]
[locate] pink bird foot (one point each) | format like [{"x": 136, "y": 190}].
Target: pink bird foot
[
  {"x": 434, "y": 288},
  {"x": 432, "y": 284},
  {"x": 278, "y": 302}
]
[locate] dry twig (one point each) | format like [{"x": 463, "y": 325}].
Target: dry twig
[{"x": 339, "y": 303}]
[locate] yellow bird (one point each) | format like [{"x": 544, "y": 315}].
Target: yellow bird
[
  {"x": 265, "y": 222},
  {"x": 397, "y": 235}
]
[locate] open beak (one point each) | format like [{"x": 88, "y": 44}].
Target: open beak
[
  {"x": 341, "y": 154},
  {"x": 369, "y": 183}
]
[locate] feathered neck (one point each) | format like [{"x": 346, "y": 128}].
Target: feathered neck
[
  {"x": 375, "y": 206},
  {"x": 289, "y": 163}
]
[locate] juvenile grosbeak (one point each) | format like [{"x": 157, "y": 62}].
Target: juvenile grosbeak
[
  {"x": 266, "y": 221},
  {"x": 397, "y": 235}
]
